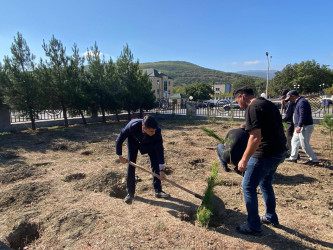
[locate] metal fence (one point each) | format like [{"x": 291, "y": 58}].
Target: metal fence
[
  {"x": 218, "y": 108},
  {"x": 224, "y": 108},
  {"x": 46, "y": 115}
]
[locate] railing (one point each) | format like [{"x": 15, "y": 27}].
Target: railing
[
  {"x": 47, "y": 115},
  {"x": 215, "y": 110}
]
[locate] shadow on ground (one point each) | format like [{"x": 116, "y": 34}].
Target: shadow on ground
[
  {"x": 230, "y": 219},
  {"x": 297, "y": 179}
]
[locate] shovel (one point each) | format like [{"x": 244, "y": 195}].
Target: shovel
[{"x": 171, "y": 182}]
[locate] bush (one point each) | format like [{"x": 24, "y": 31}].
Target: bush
[{"x": 205, "y": 211}]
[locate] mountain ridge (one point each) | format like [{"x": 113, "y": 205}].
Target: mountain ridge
[
  {"x": 186, "y": 73},
  {"x": 258, "y": 73}
]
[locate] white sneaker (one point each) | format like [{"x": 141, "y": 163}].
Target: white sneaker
[{"x": 161, "y": 195}]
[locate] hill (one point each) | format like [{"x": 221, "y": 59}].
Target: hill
[
  {"x": 185, "y": 73},
  {"x": 259, "y": 73}
]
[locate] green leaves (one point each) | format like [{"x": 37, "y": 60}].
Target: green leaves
[
  {"x": 205, "y": 211},
  {"x": 307, "y": 74},
  {"x": 211, "y": 133}
]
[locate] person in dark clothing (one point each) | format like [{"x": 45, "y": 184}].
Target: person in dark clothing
[
  {"x": 287, "y": 117},
  {"x": 303, "y": 128},
  {"x": 233, "y": 148},
  {"x": 265, "y": 150},
  {"x": 145, "y": 136}
]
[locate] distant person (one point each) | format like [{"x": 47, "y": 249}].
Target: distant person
[
  {"x": 265, "y": 150},
  {"x": 145, "y": 136},
  {"x": 323, "y": 104},
  {"x": 232, "y": 150},
  {"x": 303, "y": 128},
  {"x": 287, "y": 117}
]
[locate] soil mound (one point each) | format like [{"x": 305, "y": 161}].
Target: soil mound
[
  {"x": 77, "y": 176},
  {"x": 23, "y": 194},
  {"x": 71, "y": 225},
  {"x": 104, "y": 181},
  {"x": 22, "y": 235},
  {"x": 20, "y": 172},
  {"x": 65, "y": 145}
]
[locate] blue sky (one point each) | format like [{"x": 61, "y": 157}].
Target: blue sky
[{"x": 224, "y": 35}]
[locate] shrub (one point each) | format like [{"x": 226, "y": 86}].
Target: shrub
[{"x": 205, "y": 211}]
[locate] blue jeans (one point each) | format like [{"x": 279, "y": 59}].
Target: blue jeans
[{"x": 260, "y": 173}]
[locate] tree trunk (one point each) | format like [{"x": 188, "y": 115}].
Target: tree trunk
[
  {"x": 83, "y": 118},
  {"x": 32, "y": 119},
  {"x": 64, "y": 110},
  {"x": 141, "y": 113},
  {"x": 103, "y": 115},
  {"x": 117, "y": 115},
  {"x": 94, "y": 111}
]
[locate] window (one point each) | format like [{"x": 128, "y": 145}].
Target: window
[{"x": 165, "y": 85}]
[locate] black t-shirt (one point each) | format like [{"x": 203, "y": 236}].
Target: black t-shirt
[
  {"x": 264, "y": 115},
  {"x": 236, "y": 141}
]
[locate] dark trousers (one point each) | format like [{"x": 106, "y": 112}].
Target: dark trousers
[
  {"x": 132, "y": 156},
  {"x": 290, "y": 132}
]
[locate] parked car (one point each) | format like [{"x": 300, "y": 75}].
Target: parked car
[
  {"x": 201, "y": 105},
  {"x": 232, "y": 105},
  {"x": 211, "y": 103}
]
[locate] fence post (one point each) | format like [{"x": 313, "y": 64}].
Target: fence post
[{"x": 191, "y": 110}]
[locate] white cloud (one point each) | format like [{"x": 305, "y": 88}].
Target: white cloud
[
  {"x": 107, "y": 56},
  {"x": 250, "y": 63},
  {"x": 331, "y": 54},
  {"x": 85, "y": 54},
  {"x": 234, "y": 63}
]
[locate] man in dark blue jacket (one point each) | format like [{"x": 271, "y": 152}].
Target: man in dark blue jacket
[
  {"x": 145, "y": 136},
  {"x": 303, "y": 128}
]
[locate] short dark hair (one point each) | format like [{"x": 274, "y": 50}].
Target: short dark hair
[
  {"x": 244, "y": 91},
  {"x": 149, "y": 122}
]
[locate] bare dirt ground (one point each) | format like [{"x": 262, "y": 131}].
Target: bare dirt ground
[{"x": 62, "y": 188}]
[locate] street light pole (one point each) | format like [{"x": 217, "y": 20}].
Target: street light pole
[
  {"x": 269, "y": 59},
  {"x": 159, "y": 90},
  {"x": 322, "y": 86}
]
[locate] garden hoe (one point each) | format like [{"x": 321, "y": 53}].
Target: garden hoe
[{"x": 171, "y": 182}]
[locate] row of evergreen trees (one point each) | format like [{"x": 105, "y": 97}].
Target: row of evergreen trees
[{"x": 64, "y": 82}]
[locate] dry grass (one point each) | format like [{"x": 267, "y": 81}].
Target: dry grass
[{"x": 64, "y": 187}]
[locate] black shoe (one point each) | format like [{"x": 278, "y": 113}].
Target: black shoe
[
  {"x": 128, "y": 199},
  {"x": 225, "y": 167},
  {"x": 162, "y": 195},
  {"x": 264, "y": 220},
  {"x": 311, "y": 163},
  {"x": 291, "y": 160},
  {"x": 245, "y": 229}
]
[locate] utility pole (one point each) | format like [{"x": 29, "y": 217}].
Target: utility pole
[{"x": 269, "y": 59}]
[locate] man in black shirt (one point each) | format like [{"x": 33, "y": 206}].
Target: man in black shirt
[{"x": 266, "y": 149}]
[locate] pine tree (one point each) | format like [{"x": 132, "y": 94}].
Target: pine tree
[
  {"x": 58, "y": 88},
  {"x": 23, "y": 89}
]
